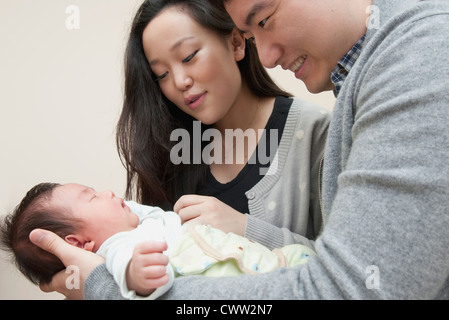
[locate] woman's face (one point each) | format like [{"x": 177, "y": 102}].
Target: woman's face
[{"x": 196, "y": 68}]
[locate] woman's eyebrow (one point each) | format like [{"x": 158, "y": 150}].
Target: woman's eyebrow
[
  {"x": 180, "y": 42},
  {"x": 175, "y": 46}
]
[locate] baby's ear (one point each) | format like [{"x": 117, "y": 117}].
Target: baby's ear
[
  {"x": 89, "y": 246},
  {"x": 74, "y": 240},
  {"x": 77, "y": 241}
]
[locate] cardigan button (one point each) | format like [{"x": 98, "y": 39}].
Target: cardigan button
[{"x": 251, "y": 195}]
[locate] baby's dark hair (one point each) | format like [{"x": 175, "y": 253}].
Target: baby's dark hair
[{"x": 36, "y": 211}]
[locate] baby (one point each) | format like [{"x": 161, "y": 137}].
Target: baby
[{"x": 111, "y": 227}]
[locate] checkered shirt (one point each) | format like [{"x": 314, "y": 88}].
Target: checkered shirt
[{"x": 339, "y": 74}]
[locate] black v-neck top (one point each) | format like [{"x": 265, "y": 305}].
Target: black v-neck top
[{"x": 233, "y": 192}]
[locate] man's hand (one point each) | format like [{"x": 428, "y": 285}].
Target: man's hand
[{"x": 84, "y": 261}]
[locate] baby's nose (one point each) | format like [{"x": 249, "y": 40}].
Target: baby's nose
[{"x": 109, "y": 193}]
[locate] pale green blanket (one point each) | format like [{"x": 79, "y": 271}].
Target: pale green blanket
[{"x": 211, "y": 252}]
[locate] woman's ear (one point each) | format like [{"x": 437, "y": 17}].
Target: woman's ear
[
  {"x": 238, "y": 44},
  {"x": 77, "y": 241}
]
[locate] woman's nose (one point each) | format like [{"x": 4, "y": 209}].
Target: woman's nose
[{"x": 183, "y": 81}]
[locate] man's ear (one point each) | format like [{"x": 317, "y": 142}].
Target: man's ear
[
  {"x": 79, "y": 242},
  {"x": 238, "y": 44}
]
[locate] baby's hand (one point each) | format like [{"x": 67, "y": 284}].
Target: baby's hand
[{"x": 147, "y": 270}]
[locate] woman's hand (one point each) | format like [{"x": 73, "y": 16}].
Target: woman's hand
[
  {"x": 83, "y": 263},
  {"x": 211, "y": 211}
]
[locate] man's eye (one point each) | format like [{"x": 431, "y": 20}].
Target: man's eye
[{"x": 263, "y": 22}]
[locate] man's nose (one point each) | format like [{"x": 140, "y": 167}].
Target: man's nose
[{"x": 269, "y": 52}]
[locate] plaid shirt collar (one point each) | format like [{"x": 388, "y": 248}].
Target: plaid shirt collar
[{"x": 339, "y": 74}]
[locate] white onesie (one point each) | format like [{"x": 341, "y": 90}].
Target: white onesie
[{"x": 154, "y": 224}]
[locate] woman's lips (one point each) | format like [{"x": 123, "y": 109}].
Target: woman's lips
[{"x": 193, "y": 101}]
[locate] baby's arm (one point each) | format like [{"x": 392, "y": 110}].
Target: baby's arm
[
  {"x": 134, "y": 270},
  {"x": 147, "y": 269}
]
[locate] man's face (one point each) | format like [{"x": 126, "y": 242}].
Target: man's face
[{"x": 303, "y": 36}]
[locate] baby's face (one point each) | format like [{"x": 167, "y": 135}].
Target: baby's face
[{"x": 103, "y": 214}]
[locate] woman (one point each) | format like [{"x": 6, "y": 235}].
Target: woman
[{"x": 186, "y": 61}]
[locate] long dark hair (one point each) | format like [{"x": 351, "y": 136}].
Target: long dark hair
[{"x": 148, "y": 117}]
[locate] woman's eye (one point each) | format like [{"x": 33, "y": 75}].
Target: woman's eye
[
  {"x": 190, "y": 57},
  {"x": 159, "y": 78}
]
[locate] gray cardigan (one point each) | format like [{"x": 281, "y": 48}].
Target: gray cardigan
[
  {"x": 285, "y": 205},
  {"x": 386, "y": 177}
]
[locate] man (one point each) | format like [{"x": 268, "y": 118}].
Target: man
[
  {"x": 385, "y": 188},
  {"x": 306, "y": 37}
]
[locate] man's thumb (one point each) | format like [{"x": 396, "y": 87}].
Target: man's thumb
[{"x": 46, "y": 240}]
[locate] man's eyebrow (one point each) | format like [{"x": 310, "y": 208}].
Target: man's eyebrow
[{"x": 256, "y": 8}]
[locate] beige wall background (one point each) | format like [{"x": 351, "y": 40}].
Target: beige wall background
[{"x": 61, "y": 81}]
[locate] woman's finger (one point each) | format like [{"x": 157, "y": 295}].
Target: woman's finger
[
  {"x": 187, "y": 201},
  {"x": 189, "y": 213}
]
